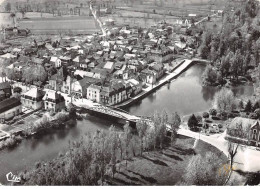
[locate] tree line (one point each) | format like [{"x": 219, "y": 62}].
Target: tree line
[
  {"x": 235, "y": 49},
  {"x": 92, "y": 159}
]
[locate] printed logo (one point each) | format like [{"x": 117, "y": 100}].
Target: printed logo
[
  {"x": 12, "y": 178},
  {"x": 225, "y": 169}
]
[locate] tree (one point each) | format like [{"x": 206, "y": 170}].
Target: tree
[
  {"x": 203, "y": 171},
  {"x": 10, "y": 73},
  {"x": 127, "y": 139},
  {"x": 17, "y": 90},
  {"x": 232, "y": 151},
  {"x": 205, "y": 115},
  {"x": 224, "y": 100},
  {"x": 141, "y": 127},
  {"x": 175, "y": 125},
  {"x": 248, "y": 107},
  {"x": 209, "y": 75},
  {"x": 213, "y": 112},
  {"x": 256, "y": 106},
  {"x": 241, "y": 105},
  {"x": 199, "y": 118},
  {"x": 192, "y": 122}
]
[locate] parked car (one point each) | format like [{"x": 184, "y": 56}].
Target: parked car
[{"x": 213, "y": 128}]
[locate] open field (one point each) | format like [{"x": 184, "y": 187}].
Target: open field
[
  {"x": 47, "y": 24},
  {"x": 166, "y": 167},
  {"x": 177, "y": 7},
  {"x": 55, "y": 25}
]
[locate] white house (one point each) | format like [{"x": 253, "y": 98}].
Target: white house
[
  {"x": 93, "y": 92},
  {"x": 56, "y": 61}
]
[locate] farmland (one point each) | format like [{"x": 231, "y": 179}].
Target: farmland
[
  {"x": 47, "y": 24},
  {"x": 55, "y": 25}
]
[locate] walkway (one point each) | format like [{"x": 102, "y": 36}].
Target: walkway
[{"x": 247, "y": 158}]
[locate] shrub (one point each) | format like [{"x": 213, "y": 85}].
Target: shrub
[
  {"x": 215, "y": 118},
  {"x": 199, "y": 118},
  {"x": 192, "y": 122},
  {"x": 213, "y": 112},
  {"x": 253, "y": 116},
  {"x": 17, "y": 90},
  {"x": 205, "y": 115},
  {"x": 220, "y": 125},
  {"x": 248, "y": 107},
  {"x": 257, "y": 111}
]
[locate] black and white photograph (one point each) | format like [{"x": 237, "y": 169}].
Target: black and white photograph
[{"x": 130, "y": 93}]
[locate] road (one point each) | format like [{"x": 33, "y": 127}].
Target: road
[{"x": 247, "y": 158}]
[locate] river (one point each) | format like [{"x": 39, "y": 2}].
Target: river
[{"x": 184, "y": 95}]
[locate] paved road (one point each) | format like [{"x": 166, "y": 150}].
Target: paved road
[{"x": 247, "y": 158}]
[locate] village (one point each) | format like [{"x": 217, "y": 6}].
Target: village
[
  {"x": 108, "y": 70},
  {"x": 45, "y": 75}
]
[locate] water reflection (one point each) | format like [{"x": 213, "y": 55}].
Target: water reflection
[
  {"x": 184, "y": 95},
  {"x": 208, "y": 93}
]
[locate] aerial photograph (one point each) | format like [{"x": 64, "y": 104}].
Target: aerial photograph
[{"x": 130, "y": 93}]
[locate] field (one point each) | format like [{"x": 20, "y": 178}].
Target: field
[
  {"x": 177, "y": 7},
  {"x": 55, "y": 25},
  {"x": 166, "y": 167},
  {"x": 47, "y": 24}
]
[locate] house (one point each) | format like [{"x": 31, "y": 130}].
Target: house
[
  {"x": 100, "y": 73},
  {"x": 93, "y": 92},
  {"x": 8, "y": 56},
  {"x": 56, "y": 80},
  {"x": 32, "y": 99},
  {"x": 137, "y": 86},
  {"x": 109, "y": 66},
  {"x": 5, "y": 91},
  {"x": 66, "y": 85},
  {"x": 159, "y": 69},
  {"x": 30, "y": 51},
  {"x": 79, "y": 88},
  {"x": 148, "y": 76},
  {"x": 56, "y": 61},
  {"x": 163, "y": 55},
  {"x": 244, "y": 130},
  {"x": 9, "y": 108},
  {"x": 53, "y": 101},
  {"x": 83, "y": 74},
  {"x": 65, "y": 60}
]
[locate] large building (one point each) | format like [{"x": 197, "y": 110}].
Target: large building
[
  {"x": 9, "y": 108},
  {"x": 244, "y": 130},
  {"x": 32, "y": 99},
  {"x": 53, "y": 101}
]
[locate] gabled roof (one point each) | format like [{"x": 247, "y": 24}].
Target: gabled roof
[
  {"x": 34, "y": 93},
  {"x": 109, "y": 65},
  {"x": 53, "y": 95},
  {"x": 8, "y": 104},
  {"x": 246, "y": 123}
]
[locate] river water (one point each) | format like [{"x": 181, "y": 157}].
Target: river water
[{"x": 184, "y": 95}]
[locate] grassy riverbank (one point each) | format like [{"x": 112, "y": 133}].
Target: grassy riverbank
[{"x": 42, "y": 126}]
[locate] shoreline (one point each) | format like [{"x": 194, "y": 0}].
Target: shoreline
[{"x": 175, "y": 73}]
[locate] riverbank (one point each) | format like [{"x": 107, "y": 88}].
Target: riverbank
[
  {"x": 151, "y": 88},
  {"x": 42, "y": 126}
]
